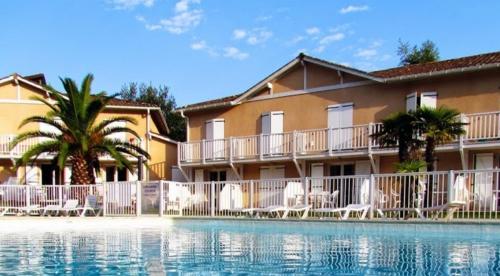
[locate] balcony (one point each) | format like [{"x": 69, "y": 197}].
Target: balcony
[
  {"x": 21, "y": 148},
  {"x": 483, "y": 131}
]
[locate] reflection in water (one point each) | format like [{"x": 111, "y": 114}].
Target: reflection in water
[{"x": 247, "y": 248}]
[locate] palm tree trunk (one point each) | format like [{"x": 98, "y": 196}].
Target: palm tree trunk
[
  {"x": 430, "y": 147},
  {"x": 80, "y": 171}
]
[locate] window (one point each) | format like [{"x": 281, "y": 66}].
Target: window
[{"x": 426, "y": 99}]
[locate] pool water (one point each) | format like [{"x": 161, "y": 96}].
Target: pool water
[{"x": 253, "y": 247}]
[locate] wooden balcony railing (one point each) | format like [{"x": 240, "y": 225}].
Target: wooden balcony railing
[{"x": 481, "y": 128}]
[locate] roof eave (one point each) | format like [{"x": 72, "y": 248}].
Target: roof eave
[{"x": 443, "y": 72}]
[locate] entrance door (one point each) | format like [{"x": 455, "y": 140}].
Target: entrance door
[
  {"x": 50, "y": 175},
  {"x": 483, "y": 182},
  {"x": 271, "y": 187},
  {"x": 317, "y": 171}
]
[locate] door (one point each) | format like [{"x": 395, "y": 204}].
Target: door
[
  {"x": 50, "y": 175},
  {"x": 215, "y": 143},
  {"x": 317, "y": 172},
  {"x": 271, "y": 186},
  {"x": 340, "y": 126},
  {"x": 272, "y": 130},
  {"x": 483, "y": 182}
]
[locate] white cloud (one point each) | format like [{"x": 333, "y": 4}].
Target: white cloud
[
  {"x": 183, "y": 5},
  {"x": 296, "y": 40},
  {"x": 353, "y": 8},
  {"x": 366, "y": 53},
  {"x": 199, "y": 45},
  {"x": 235, "y": 53},
  {"x": 258, "y": 36},
  {"x": 182, "y": 22},
  {"x": 319, "y": 49},
  {"x": 312, "y": 31},
  {"x": 130, "y": 4},
  {"x": 239, "y": 34},
  {"x": 332, "y": 38}
]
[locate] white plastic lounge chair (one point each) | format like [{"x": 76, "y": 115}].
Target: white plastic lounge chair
[
  {"x": 31, "y": 209},
  {"x": 297, "y": 209},
  {"x": 434, "y": 211},
  {"x": 90, "y": 206},
  {"x": 270, "y": 210},
  {"x": 361, "y": 210},
  {"x": 71, "y": 206}
]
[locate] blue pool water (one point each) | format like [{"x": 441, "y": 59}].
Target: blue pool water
[{"x": 254, "y": 247}]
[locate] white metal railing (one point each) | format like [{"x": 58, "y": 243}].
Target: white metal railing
[
  {"x": 481, "y": 128},
  {"x": 5, "y": 145},
  {"x": 459, "y": 195}
]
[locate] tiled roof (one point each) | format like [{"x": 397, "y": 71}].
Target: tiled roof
[
  {"x": 456, "y": 63},
  {"x": 122, "y": 102},
  {"x": 397, "y": 72},
  {"x": 214, "y": 101}
]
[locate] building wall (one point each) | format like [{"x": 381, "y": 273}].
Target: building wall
[
  {"x": 469, "y": 93},
  {"x": 14, "y": 109}
]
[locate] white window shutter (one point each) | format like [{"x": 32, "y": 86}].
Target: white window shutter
[
  {"x": 67, "y": 175},
  {"x": 218, "y": 128},
  {"x": 411, "y": 102},
  {"x": 346, "y": 116},
  {"x": 209, "y": 130},
  {"x": 428, "y": 99},
  {"x": 334, "y": 116},
  {"x": 277, "y": 122}
]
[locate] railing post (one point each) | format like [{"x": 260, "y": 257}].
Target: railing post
[
  {"x": 162, "y": 198},
  {"x": 27, "y": 194},
  {"x": 294, "y": 144},
  {"x": 230, "y": 149},
  {"x": 461, "y": 138},
  {"x": 138, "y": 196},
  {"x": 330, "y": 140},
  {"x": 202, "y": 149},
  {"x": 104, "y": 199},
  {"x": 212, "y": 199},
  {"x": 451, "y": 192},
  {"x": 372, "y": 188},
  {"x": 370, "y": 132},
  {"x": 60, "y": 197},
  {"x": 306, "y": 190},
  {"x": 261, "y": 146},
  {"x": 251, "y": 194}
]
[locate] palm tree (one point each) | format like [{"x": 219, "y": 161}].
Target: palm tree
[
  {"x": 79, "y": 139},
  {"x": 399, "y": 130},
  {"x": 438, "y": 126}
]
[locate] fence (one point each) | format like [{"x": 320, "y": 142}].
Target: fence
[{"x": 472, "y": 194}]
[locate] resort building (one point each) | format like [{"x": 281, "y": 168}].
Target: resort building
[
  {"x": 314, "y": 118},
  {"x": 16, "y": 104}
]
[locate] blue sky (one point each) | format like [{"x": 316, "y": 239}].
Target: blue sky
[{"x": 204, "y": 49}]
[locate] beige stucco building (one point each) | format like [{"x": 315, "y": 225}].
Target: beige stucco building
[
  {"x": 314, "y": 118},
  {"x": 16, "y": 104}
]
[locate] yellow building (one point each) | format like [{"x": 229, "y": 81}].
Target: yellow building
[
  {"x": 312, "y": 117},
  {"x": 16, "y": 104}
]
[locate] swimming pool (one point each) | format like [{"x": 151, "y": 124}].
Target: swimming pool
[{"x": 253, "y": 247}]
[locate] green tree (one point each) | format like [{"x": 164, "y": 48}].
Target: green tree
[
  {"x": 438, "y": 126},
  {"x": 159, "y": 96},
  {"x": 427, "y": 52},
  {"x": 398, "y": 130},
  {"x": 79, "y": 138}
]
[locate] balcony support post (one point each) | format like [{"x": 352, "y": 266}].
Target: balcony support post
[
  {"x": 202, "y": 153},
  {"x": 261, "y": 147},
  {"x": 183, "y": 172}
]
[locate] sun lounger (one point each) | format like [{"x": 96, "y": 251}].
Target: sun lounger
[
  {"x": 297, "y": 209},
  {"x": 71, "y": 206},
  {"x": 26, "y": 210},
  {"x": 90, "y": 206},
  {"x": 361, "y": 211},
  {"x": 273, "y": 209}
]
